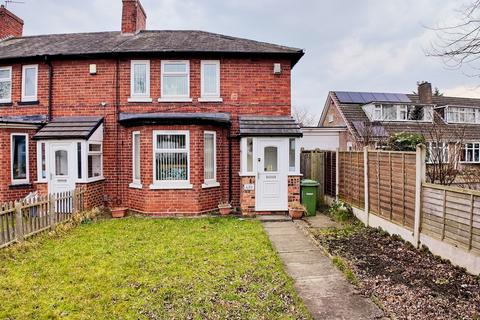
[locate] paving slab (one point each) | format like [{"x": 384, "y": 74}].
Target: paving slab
[{"x": 323, "y": 288}]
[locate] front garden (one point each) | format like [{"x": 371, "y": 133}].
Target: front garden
[{"x": 139, "y": 268}]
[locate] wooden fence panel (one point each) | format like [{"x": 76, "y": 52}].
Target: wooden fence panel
[
  {"x": 330, "y": 173},
  {"x": 25, "y": 218},
  {"x": 312, "y": 166},
  {"x": 351, "y": 177},
  {"x": 452, "y": 215},
  {"x": 391, "y": 186}
]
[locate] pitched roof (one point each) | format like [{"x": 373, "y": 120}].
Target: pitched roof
[
  {"x": 357, "y": 120},
  {"x": 132, "y": 119},
  {"x": 269, "y": 126},
  {"x": 146, "y": 41},
  {"x": 69, "y": 128},
  {"x": 27, "y": 120}
]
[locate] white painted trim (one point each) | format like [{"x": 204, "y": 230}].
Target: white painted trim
[
  {"x": 170, "y": 184},
  {"x": 216, "y": 95},
  {"x": 172, "y": 98},
  {"x": 210, "y": 99},
  {"x": 134, "y": 185},
  {"x": 9, "y": 99},
  {"x": 39, "y": 162},
  {"x": 213, "y": 181},
  {"x": 139, "y": 97},
  {"x": 88, "y": 153},
  {"x": 26, "y": 98},
  {"x": 210, "y": 185},
  {"x": 136, "y": 182},
  {"x": 243, "y": 157},
  {"x": 27, "y": 158}
]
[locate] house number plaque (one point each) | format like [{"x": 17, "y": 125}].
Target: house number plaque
[{"x": 249, "y": 187}]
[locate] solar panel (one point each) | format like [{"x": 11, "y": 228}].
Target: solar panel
[{"x": 366, "y": 97}]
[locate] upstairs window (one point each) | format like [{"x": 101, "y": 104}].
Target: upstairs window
[
  {"x": 175, "y": 81},
  {"x": 396, "y": 112},
  {"x": 140, "y": 81},
  {"x": 210, "y": 80},
  {"x": 29, "y": 83},
  {"x": 19, "y": 158},
  {"x": 5, "y": 84},
  {"x": 471, "y": 153},
  {"x": 437, "y": 152},
  {"x": 463, "y": 115}
]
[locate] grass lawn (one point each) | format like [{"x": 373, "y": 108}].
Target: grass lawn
[{"x": 135, "y": 268}]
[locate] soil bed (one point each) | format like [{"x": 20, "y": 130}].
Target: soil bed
[{"x": 407, "y": 283}]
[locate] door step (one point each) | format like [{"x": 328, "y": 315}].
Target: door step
[{"x": 274, "y": 218}]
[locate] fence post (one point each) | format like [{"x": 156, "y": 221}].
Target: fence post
[
  {"x": 51, "y": 210},
  {"x": 419, "y": 179},
  {"x": 365, "y": 181},
  {"x": 18, "y": 222},
  {"x": 337, "y": 173}
]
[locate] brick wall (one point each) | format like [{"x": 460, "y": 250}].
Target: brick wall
[
  {"x": 293, "y": 189},
  {"x": 93, "y": 196},
  {"x": 76, "y": 92},
  {"x": 334, "y": 115},
  {"x": 10, "y": 24}
]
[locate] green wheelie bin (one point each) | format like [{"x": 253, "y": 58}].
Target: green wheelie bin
[{"x": 309, "y": 196}]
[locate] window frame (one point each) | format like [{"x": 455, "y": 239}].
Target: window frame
[
  {"x": 170, "y": 184},
  {"x": 473, "y": 148},
  {"x": 26, "y": 98},
  {"x": 402, "y": 112},
  {"x": 244, "y": 156},
  {"x": 88, "y": 153},
  {"x": 27, "y": 155},
  {"x": 445, "y": 148},
  {"x": 139, "y": 97},
  {"x": 136, "y": 183},
  {"x": 9, "y": 99},
  {"x": 209, "y": 183},
  {"x": 462, "y": 110},
  {"x": 174, "y": 98},
  {"x": 41, "y": 154},
  {"x": 206, "y": 97}
]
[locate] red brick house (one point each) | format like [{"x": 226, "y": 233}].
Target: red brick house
[{"x": 160, "y": 122}]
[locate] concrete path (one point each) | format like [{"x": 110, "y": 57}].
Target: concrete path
[{"x": 323, "y": 288}]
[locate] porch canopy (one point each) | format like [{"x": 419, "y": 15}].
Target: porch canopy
[
  {"x": 264, "y": 126},
  {"x": 33, "y": 121},
  {"x": 68, "y": 128},
  {"x": 134, "y": 119}
]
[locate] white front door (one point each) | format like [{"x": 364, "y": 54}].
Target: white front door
[
  {"x": 272, "y": 174},
  {"x": 62, "y": 167}
]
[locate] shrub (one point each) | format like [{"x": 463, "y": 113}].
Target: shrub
[
  {"x": 341, "y": 211},
  {"x": 405, "y": 141}
]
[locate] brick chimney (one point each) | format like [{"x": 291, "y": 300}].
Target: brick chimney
[
  {"x": 425, "y": 92},
  {"x": 10, "y": 24},
  {"x": 134, "y": 18}
]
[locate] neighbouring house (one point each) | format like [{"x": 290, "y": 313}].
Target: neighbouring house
[
  {"x": 159, "y": 122},
  {"x": 446, "y": 123}
]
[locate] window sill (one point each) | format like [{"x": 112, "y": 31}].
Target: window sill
[
  {"x": 211, "y": 185},
  {"x": 28, "y": 103},
  {"x": 171, "y": 186},
  {"x": 295, "y": 174},
  {"x": 173, "y": 99},
  {"x": 246, "y": 174},
  {"x": 90, "y": 180},
  {"x": 139, "y": 99},
  {"x": 135, "y": 185},
  {"x": 20, "y": 185},
  {"x": 212, "y": 99}
]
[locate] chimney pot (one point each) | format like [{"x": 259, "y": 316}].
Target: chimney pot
[
  {"x": 10, "y": 24},
  {"x": 134, "y": 18},
  {"x": 425, "y": 92}
]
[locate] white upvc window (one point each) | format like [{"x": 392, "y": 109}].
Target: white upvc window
[
  {"x": 247, "y": 165},
  {"x": 136, "y": 158},
  {"x": 94, "y": 160},
  {"x": 437, "y": 152},
  {"x": 41, "y": 162},
  {"x": 471, "y": 153},
  {"x": 210, "y": 159},
  {"x": 29, "y": 83},
  {"x": 175, "y": 78},
  {"x": 292, "y": 155},
  {"x": 19, "y": 158},
  {"x": 210, "y": 81},
  {"x": 5, "y": 84},
  {"x": 463, "y": 115},
  {"x": 140, "y": 81},
  {"x": 171, "y": 160}
]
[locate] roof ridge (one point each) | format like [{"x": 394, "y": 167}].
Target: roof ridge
[{"x": 63, "y": 34}]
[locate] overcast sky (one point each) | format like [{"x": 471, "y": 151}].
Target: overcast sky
[{"x": 368, "y": 45}]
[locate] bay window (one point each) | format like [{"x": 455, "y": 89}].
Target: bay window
[
  {"x": 29, "y": 83},
  {"x": 471, "y": 153},
  {"x": 210, "y": 159},
  {"x": 210, "y": 80},
  {"x": 175, "y": 78},
  {"x": 94, "y": 160},
  {"x": 140, "y": 81},
  {"x": 5, "y": 84},
  {"x": 171, "y": 160},
  {"x": 136, "y": 156},
  {"x": 19, "y": 158}
]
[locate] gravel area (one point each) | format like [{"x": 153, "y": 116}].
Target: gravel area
[{"x": 407, "y": 283}]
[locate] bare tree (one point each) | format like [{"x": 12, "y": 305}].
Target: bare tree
[
  {"x": 459, "y": 43},
  {"x": 304, "y": 117}
]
